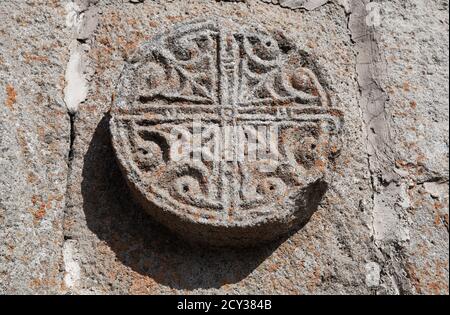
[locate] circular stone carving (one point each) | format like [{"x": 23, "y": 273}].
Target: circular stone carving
[{"x": 226, "y": 76}]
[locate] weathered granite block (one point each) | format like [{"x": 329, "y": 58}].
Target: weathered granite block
[
  {"x": 69, "y": 222},
  {"x": 34, "y": 145}
]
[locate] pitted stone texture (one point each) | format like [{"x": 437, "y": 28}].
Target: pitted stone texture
[
  {"x": 225, "y": 75},
  {"x": 119, "y": 248}
]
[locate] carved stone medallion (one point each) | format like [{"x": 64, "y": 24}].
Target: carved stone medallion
[{"x": 224, "y": 132}]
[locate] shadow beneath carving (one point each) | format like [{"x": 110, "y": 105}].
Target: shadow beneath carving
[{"x": 144, "y": 245}]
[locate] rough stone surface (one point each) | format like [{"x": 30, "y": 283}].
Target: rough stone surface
[
  {"x": 70, "y": 224},
  {"x": 404, "y": 103},
  {"x": 34, "y": 145}
]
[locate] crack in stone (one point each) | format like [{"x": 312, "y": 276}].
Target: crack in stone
[
  {"x": 82, "y": 19},
  {"x": 368, "y": 159},
  {"x": 72, "y": 136},
  {"x": 308, "y": 5}
]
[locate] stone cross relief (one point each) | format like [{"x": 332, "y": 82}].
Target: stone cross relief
[{"x": 224, "y": 132}]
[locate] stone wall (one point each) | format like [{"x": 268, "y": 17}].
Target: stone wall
[{"x": 69, "y": 224}]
